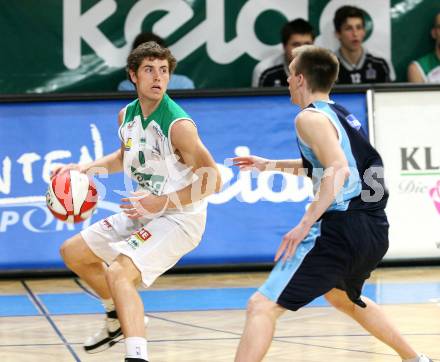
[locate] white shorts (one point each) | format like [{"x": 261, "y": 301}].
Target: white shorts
[{"x": 154, "y": 245}]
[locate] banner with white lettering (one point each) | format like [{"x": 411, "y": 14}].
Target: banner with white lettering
[
  {"x": 82, "y": 45},
  {"x": 246, "y": 220},
  {"x": 406, "y": 130}
]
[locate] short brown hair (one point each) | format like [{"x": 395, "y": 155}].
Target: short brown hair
[
  {"x": 345, "y": 12},
  {"x": 153, "y": 50},
  {"x": 318, "y": 65},
  {"x": 297, "y": 26}
]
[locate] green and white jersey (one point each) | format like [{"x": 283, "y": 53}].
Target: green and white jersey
[
  {"x": 149, "y": 157},
  {"x": 429, "y": 66}
]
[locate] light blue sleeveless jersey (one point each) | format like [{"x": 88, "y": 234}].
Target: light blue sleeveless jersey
[{"x": 352, "y": 187}]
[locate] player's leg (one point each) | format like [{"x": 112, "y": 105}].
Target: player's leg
[
  {"x": 85, "y": 254},
  {"x": 123, "y": 278},
  {"x": 374, "y": 320},
  {"x": 261, "y": 317},
  {"x": 145, "y": 255},
  {"x": 370, "y": 247},
  {"x": 290, "y": 286},
  {"x": 88, "y": 266},
  {"x": 80, "y": 259}
]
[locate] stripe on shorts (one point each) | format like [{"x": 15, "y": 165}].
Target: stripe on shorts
[{"x": 282, "y": 273}]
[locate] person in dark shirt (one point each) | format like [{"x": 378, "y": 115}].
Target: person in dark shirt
[
  {"x": 273, "y": 71},
  {"x": 357, "y": 65}
]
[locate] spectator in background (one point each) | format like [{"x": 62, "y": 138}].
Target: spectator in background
[
  {"x": 177, "y": 81},
  {"x": 427, "y": 68},
  {"x": 273, "y": 71},
  {"x": 356, "y": 64}
]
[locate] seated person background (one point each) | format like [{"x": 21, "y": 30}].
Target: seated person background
[
  {"x": 273, "y": 71},
  {"x": 427, "y": 68},
  {"x": 177, "y": 81},
  {"x": 356, "y": 64}
]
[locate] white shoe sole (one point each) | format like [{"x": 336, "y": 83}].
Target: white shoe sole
[
  {"x": 108, "y": 342},
  {"x": 105, "y": 343}
]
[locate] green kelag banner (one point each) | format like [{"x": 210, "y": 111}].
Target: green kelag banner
[{"x": 81, "y": 45}]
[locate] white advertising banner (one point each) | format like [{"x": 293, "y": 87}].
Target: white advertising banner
[{"x": 407, "y": 135}]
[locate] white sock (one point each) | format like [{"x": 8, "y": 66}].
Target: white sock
[
  {"x": 136, "y": 347},
  {"x": 415, "y": 359},
  {"x": 108, "y": 304}
]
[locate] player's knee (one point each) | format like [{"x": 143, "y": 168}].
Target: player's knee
[
  {"x": 118, "y": 273},
  {"x": 114, "y": 273},
  {"x": 75, "y": 252},
  {"x": 64, "y": 251},
  {"x": 339, "y": 300},
  {"x": 259, "y": 304},
  {"x": 67, "y": 251}
]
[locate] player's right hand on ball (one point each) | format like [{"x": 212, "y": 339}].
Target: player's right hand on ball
[
  {"x": 247, "y": 163},
  {"x": 64, "y": 168}
]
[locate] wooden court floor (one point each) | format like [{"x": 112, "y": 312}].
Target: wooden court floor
[{"x": 410, "y": 296}]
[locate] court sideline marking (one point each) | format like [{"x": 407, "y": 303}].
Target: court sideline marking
[
  {"x": 280, "y": 339},
  {"x": 49, "y": 319},
  {"x": 43, "y": 311}
]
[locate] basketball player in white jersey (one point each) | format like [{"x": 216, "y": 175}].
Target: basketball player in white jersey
[{"x": 164, "y": 220}]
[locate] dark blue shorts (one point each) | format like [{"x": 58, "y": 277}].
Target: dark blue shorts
[{"x": 340, "y": 251}]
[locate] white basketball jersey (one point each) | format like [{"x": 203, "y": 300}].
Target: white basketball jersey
[{"x": 149, "y": 157}]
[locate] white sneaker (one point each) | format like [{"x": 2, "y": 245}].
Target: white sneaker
[
  {"x": 109, "y": 335},
  {"x": 423, "y": 358}
]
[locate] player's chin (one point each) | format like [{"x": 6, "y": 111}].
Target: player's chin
[{"x": 156, "y": 94}]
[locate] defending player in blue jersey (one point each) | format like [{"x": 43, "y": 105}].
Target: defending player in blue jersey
[{"x": 343, "y": 235}]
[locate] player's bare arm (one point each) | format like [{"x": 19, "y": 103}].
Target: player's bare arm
[
  {"x": 414, "y": 74},
  {"x": 112, "y": 162},
  {"x": 247, "y": 163},
  {"x": 108, "y": 164},
  {"x": 318, "y": 132},
  {"x": 189, "y": 147}
]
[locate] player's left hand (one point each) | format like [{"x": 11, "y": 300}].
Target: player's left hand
[
  {"x": 290, "y": 242},
  {"x": 144, "y": 204}
]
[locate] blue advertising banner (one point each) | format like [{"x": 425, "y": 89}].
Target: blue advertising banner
[{"x": 246, "y": 220}]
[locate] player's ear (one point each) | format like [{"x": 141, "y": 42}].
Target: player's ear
[
  {"x": 300, "y": 79},
  {"x": 132, "y": 74}
]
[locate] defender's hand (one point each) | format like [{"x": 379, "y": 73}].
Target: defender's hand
[
  {"x": 290, "y": 242},
  {"x": 247, "y": 163}
]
